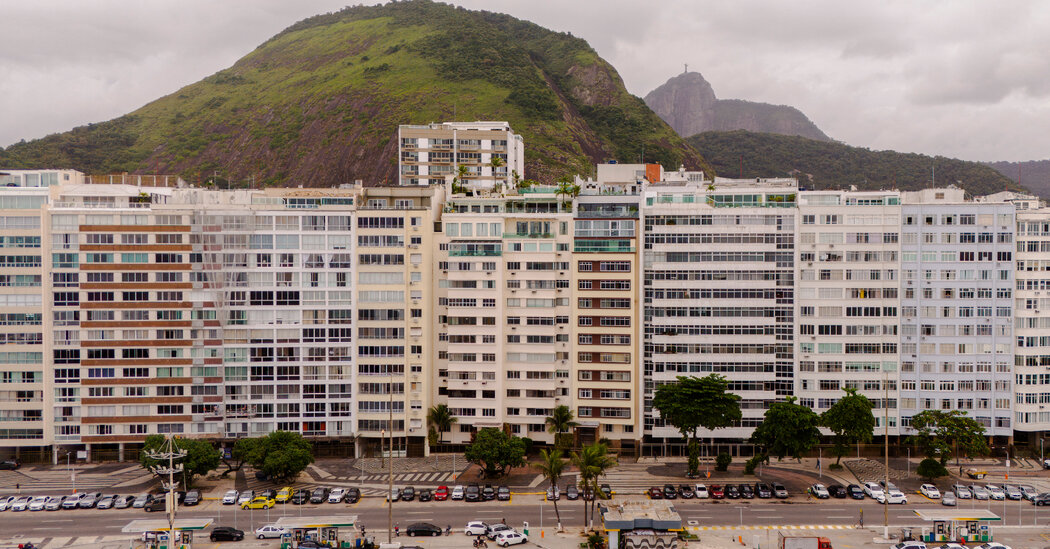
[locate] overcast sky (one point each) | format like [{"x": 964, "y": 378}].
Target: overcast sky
[{"x": 958, "y": 78}]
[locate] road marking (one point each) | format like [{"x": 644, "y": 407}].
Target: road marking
[{"x": 57, "y": 520}]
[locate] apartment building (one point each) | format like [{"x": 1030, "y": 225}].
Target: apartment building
[
  {"x": 719, "y": 262},
  {"x": 490, "y": 153},
  {"x": 1031, "y": 317},
  {"x": 957, "y": 283},
  {"x": 847, "y": 299}
]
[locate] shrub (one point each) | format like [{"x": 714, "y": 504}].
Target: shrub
[
  {"x": 835, "y": 467},
  {"x": 930, "y": 468},
  {"x": 722, "y": 461},
  {"x": 749, "y": 465}
]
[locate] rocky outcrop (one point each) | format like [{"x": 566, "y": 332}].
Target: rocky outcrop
[{"x": 688, "y": 103}]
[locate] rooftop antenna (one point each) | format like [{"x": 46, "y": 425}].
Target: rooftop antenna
[{"x": 686, "y": 68}]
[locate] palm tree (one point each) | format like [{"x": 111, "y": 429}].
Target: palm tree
[
  {"x": 602, "y": 462},
  {"x": 560, "y": 421},
  {"x": 440, "y": 417},
  {"x": 496, "y": 162},
  {"x": 551, "y": 466},
  {"x": 589, "y": 462}
]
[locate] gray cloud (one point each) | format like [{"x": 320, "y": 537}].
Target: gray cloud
[{"x": 963, "y": 79}]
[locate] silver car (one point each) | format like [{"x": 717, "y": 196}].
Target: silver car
[
  {"x": 995, "y": 492},
  {"x": 961, "y": 491},
  {"x": 980, "y": 492},
  {"x": 1012, "y": 492},
  {"x": 948, "y": 498},
  {"x": 123, "y": 502},
  {"x": 107, "y": 502},
  {"x": 54, "y": 504},
  {"x": 1028, "y": 492}
]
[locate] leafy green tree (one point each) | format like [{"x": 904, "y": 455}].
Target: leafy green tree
[
  {"x": 551, "y": 466},
  {"x": 495, "y": 451},
  {"x": 559, "y": 423},
  {"x": 930, "y": 469},
  {"x": 695, "y": 402},
  {"x": 788, "y": 429},
  {"x": 441, "y": 419},
  {"x": 722, "y": 461},
  {"x": 593, "y": 461},
  {"x": 201, "y": 456},
  {"x": 239, "y": 455},
  {"x": 851, "y": 420},
  {"x": 942, "y": 434},
  {"x": 281, "y": 455}
]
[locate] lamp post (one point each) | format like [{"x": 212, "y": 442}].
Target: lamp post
[
  {"x": 886, "y": 445},
  {"x": 170, "y": 452}
]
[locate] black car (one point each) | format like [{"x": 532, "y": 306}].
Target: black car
[
  {"x": 226, "y": 533},
  {"x": 319, "y": 495},
  {"x": 193, "y": 497},
  {"x": 686, "y": 491},
  {"x": 587, "y": 493},
  {"x": 311, "y": 544},
  {"x": 300, "y": 496},
  {"x": 353, "y": 495},
  {"x": 9, "y": 464},
  {"x": 423, "y": 529},
  {"x": 503, "y": 493},
  {"x": 670, "y": 492},
  {"x": 268, "y": 494},
  {"x": 837, "y": 491},
  {"x": 571, "y": 492},
  {"x": 606, "y": 491},
  {"x": 259, "y": 475},
  {"x": 408, "y": 494},
  {"x": 855, "y": 491},
  {"x": 732, "y": 492},
  {"x": 473, "y": 493},
  {"x": 426, "y": 495},
  {"x": 488, "y": 493},
  {"x": 1041, "y": 499},
  {"x": 763, "y": 491},
  {"x": 746, "y": 491}
]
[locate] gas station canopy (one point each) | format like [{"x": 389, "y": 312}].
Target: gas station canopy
[
  {"x": 161, "y": 525},
  {"x": 957, "y": 515},
  {"x": 305, "y": 523}
]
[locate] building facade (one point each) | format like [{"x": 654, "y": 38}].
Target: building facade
[{"x": 490, "y": 154}]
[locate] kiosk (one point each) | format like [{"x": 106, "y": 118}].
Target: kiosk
[
  {"x": 958, "y": 525},
  {"x": 332, "y": 531},
  {"x": 154, "y": 532}
]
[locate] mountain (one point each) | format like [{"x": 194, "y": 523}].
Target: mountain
[
  {"x": 830, "y": 165},
  {"x": 1033, "y": 174},
  {"x": 688, "y": 103},
  {"x": 319, "y": 104}
]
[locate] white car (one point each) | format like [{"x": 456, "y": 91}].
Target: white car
[
  {"x": 819, "y": 491},
  {"x": 895, "y": 496},
  {"x": 5, "y": 502},
  {"x": 948, "y": 499},
  {"x": 701, "y": 492},
  {"x": 476, "y": 528},
  {"x": 980, "y": 492},
  {"x": 961, "y": 491},
  {"x": 20, "y": 504},
  {"x": 336, "y": 495},
  {"x": 872, "y": 490},
  {"x": 510, "y": 537},
  {"x": 993, "y": 545},
  {"x": 38, "y": 503},
  {"x": 1012, "y": 492},
  {"x": 230, "y": 497},
  {"x": 457, "y": 492},
  {"x": 910, "y": 545},
  {"x": 930, "y": 491},
  {"x": 1028, "y": 492},
  {"x": 952, "y": 545},
  {"x": 269, "y": 531},
  {"x": 245, "y": 496},
  {"x": 996, "y": 492}
]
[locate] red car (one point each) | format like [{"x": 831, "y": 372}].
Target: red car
[
  {"x": 441, "y": 494},
  {"x": 717, "y": 492},
  {"x": 656, "y": 493}
]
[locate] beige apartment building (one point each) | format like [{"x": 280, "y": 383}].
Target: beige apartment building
[{"x": 490, "y": 153}]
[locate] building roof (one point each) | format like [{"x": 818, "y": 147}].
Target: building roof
[
  {"x": 957, "y": 515},
  {"x": 161, "y": 525},
  {"x": 642, "y": 514},
  {"x": 334, "y": 521}
]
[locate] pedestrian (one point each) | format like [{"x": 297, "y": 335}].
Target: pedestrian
[
  {"x": 397, "y": 531},
  {"x": 818, "y": 463},
  {"x": 504, "y": 521},
  {"x": 862, "y": 518}
]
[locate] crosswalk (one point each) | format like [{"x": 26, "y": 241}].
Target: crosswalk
[
  {"x": 59, "y": 479},
  {"x": 431, "y": 479},
  {"x": 771, "y": 527},
  {"x": 80, "y": 542}
]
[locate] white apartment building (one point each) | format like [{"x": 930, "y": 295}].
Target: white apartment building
[
  {"x": 490, "y": 152},
  {"x": 847, "y": 302},
  {"x": 719, "y": 264},
  {"x": 957, "y": 283},
  {"x": 1031, "y": 318}
]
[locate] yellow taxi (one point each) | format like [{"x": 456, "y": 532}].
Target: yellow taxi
[
  {"x": 284, "y": 494},
  {"x": 259, "y": 503}
]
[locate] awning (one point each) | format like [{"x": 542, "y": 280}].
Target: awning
[
  {"x": 957, "y": 515},
  {"x": 304, "y": 523},
  {"x": 161, "y": 525}
]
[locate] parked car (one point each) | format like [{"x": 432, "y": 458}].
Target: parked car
[
  {"x": 230, "y": 497},
  {"x": 353, "y": 495},
  {"x": 510, "y": 538},
  {"x": 284, "y": 494},
  {"x": 38, "y": 503},
  {"x": 488, "y": 493},
  {"x": 872, "y": 489},
  {"x": 1041, "y": 499},
  {"x": 336, "y": 495},
  {"x": 670, "y": 492},
  {"x": 319, "y": 495},
  {"x": 259, "y": 502},
  {"x": 314, "y": 544},
  {"x": 503, "y": 493},
  {"x": 193, "y": 497},
  {"x": 425, "y": 494},
  {"x": 226, "y": 533},
  {"x": 5, "y": 502},
  {"x": 476, "y": 528},
  {"x": 441, "y": 494},
  {"x": 300, "y": 496},
  {"x": 123, "y": 502},
  {"x": 458, "y": 493},
  {"x": 269, "y": 493},
  {"x": 948, "y": 499},
  {"x": 892, "y": 497},
  {"x": 910, "y": 545},
  {"x": 746, "y": 491},
  {"x": 732, "y": 492},
  {"x": 71, "y": 502},
  {"x": 606, "y": 491},
  {"x": 837, "y": 491},
  {"x": 819, "y": 491},
  {"x": 855, "y": 491},
  {"x": 156, "y": 504},
  {"x": 587, "y": 493},
  {"x": 9, "y": 465},
  {"x": 995, "y": 492},
  {"x": 686, "y": 491},
  {"x": 780, "y": 491},
  {"x": 107, "y": 502},
  {"x": 1027, "y": 491},
  {"x": 961, "y": 492},
  {"x": 21, "y": 503},
  {"x": 394, "y": 495},
  {"x": 717, "y": 492},
  {"x": 763, "y": 491},
  {"x": 980, "y": 492},
  {"x": 408, "y": 493},
  {"x": 473, "y": 493},
  {"x": 246, "y": 496},
  {"x": 1012, "y": 492},
  {"x": 423, "y": 529},
  {"x": 993, "y": 545},
  {"x": 259, "y": 475},
  {"x": 656, "y": 493},
  {"x": 269, "y": 531},
  {"x": 701, "y": 491},
  {"x": 139, "y": 503},
  {"x": 930, "y": 491},
  {"x": 495, "y": 529},
  {"x": 89, "y": 500}
]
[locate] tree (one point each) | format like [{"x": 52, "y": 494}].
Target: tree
[
  {"x": 239, "y": 455},
  {"x": 440, "y": 417},
  {"x": 695, "y": 402},
  {"x": 559, "y": 422},
  {"x": 551, "y": 466},
  {"x": 788, "y": 429},
  {"x": 942, "y": 434},
  {"x": 593, "y": 461},
  {"x": 201, "y": 457},
  {"x": 281, "y": 455},
  {"x": 851, "y": 420},
  {"x": 930, "y": 469},
  {"x": 495, "y": 451}
]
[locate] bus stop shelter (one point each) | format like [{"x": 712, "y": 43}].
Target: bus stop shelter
[
  {"x": 958, "y": 525},
  {"x": 154, "y": 532},
  {"x": 335, "y": 531}
]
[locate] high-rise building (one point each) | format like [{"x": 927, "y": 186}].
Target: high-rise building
[{"x": 489, "y": 154}]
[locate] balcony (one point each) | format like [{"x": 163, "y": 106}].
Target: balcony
[
  {"x": 601, "y": 247},
  {"x": 528, "y": 235}
]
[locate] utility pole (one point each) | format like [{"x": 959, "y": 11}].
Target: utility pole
[
  {"x": 170, "y": 452},
  {"x": 886, "y": 445},
  {"x": 390, "y": 464}
]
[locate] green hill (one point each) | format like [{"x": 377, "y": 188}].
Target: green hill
[
  {"x": 830, "y": 165},
  {"x": 319, "y": 104}
]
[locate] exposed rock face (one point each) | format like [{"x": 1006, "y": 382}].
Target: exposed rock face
[{"x": 688, "y": 103}]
